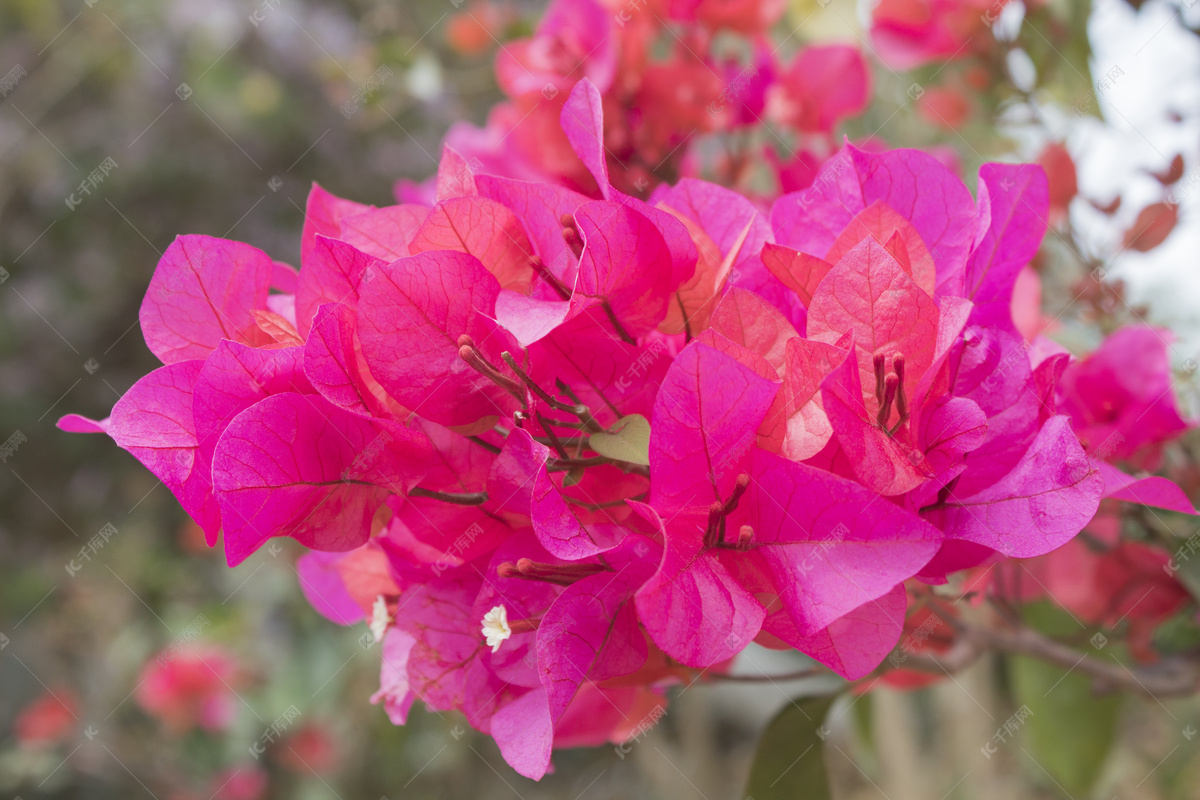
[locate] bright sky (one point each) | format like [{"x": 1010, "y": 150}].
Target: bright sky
[{"x": 1160, "y": 62}]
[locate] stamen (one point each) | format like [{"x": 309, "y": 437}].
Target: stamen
[
  {"x": 582, "y": 412},
  {"x": 739, "y": 489},
  {"x": 571, "y": 234},
  {"x": 590, "y": 461},
  {"x": 549, "y": 277},
  {"x": 880, "y": 366},
  {"x": 575, "y": 466},
  {"x": 889, "y": 396},
  {"x": 528, "y": 566},
  {"x": 454, "y": 498},
  {"x": 528, "y": 381},
  {"x": 562, "y": 423},
  {"x": 942, "y": 497},
  {"x": 745, "y": 536},
  {"x": 567, "y": 390},
  {"x": 901, "y": 397},
  {"x": 566, "y": 441},
  {"x": 491, "y": 448},
  {"x": 469, "y": 353},
  {"x": 554, "y": 442},
  {"x": 579, "y": 409},
  {"x": 561, "y": 574},
  {"x": 612, "y": 317},
  {"x": 712, "y": 531}
]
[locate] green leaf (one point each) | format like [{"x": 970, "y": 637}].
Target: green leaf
[
  {"x": 790, "y": 760},
  {"x": 627, "y": 439},
  {"x": 1050, "y": 619},
  {"x": 1070, "y": 729},
  {"x": 1186, "y": 570},
  {"x": 863, "y": 719},
  {"x": 1179, "y": 634}
]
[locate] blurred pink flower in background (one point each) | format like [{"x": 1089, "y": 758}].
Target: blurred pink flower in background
[
  {"x": 186, "y": 689},
  {"x": 744, "y": 16},
  {"x": 822, "y": 86},
  {"x": 1121, "y": 397},
  {"x": 911, "y": 33}
]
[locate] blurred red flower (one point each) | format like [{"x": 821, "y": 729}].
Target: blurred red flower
[
  {"x": 945, "y": 107},
  {"x": 48, "y": 720},
  {"x": 190, "y": 688},
  {"x": 244, "y": 782},
  {"x": 473, "y": 30},
  {"x": 310, "y": 749}
]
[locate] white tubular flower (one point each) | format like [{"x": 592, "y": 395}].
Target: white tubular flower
[
  {"x": 495, "y": 627},
  {"x": 380, "y": 618}
]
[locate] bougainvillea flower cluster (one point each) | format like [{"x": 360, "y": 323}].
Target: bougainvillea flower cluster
[
  {"x": 659, "y": 108},
  {"x": 561, "y": 450},
  {"x": 910, "y": 33}
]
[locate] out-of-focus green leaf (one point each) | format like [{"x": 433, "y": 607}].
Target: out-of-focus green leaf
[
  {"x": 1186, "y": 570},
  {"x": 1069, "y": 730},
  {"x": 1180, "y": 633},
  {"x": 863, "y": 720},
  {"x": 1050, "y": 35},
  {"x": 1050, "y": 619},
  {"x": 790, "y": 761}
]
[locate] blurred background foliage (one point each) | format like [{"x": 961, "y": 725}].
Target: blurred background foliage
[{"x": 219, "y": 115}]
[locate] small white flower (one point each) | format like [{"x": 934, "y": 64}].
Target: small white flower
[
  {"x": 379, "y": 618},
  {"x": 495, "y": 627}
]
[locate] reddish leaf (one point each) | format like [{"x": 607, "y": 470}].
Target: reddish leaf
[{"x": 1152, "y": 226}]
